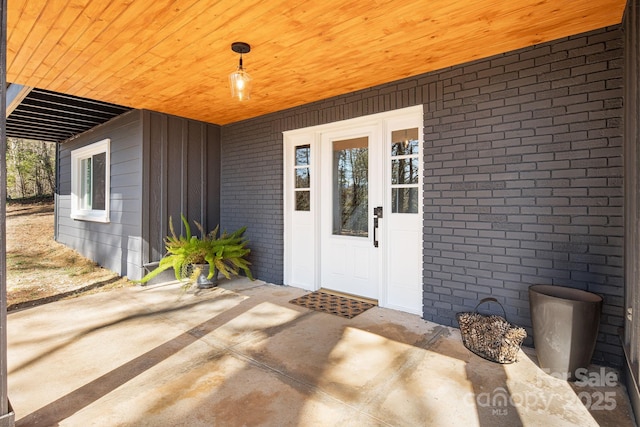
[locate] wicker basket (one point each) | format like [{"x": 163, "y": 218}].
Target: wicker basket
[{"x": 491, "y": 336}]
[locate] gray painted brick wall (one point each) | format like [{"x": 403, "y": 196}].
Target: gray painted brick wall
[
  {"x": 523, "y": 181},
  {"x": 523, "y": 177},
  {"x": 251, "y": 193}
]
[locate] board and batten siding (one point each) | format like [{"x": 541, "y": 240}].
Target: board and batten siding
[
  {"x": 522, "y": 183},
  {"x": 183, "y": 177},
  {"x": 115, "y": 245},
  {"x": 161, "y": 166}
]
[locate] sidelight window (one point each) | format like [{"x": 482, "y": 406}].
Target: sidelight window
[
  {"x": 405, "y": 169},
  {"x": 303, "y": 178}
]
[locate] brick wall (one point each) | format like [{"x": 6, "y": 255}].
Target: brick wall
[
  {"x": 631, "y": 26},
  {"x": 251, "y": 192},
  {"x": 523, "y": 177}
]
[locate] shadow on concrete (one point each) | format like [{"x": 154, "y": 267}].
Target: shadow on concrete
[
  {"x": 62, "y": 408},
  {"x": 125, "y": 319},
  {"x": 232, "y": 408},
  {"x": 305, "y": 369}
]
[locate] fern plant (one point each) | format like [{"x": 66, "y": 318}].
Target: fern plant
[{"x": 226, "y": 253}]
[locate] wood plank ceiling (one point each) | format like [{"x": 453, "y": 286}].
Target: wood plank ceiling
[{"x": 174, "y": 56}]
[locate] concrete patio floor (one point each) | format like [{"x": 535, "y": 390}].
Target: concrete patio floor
[{"x": 241, "y": 355}]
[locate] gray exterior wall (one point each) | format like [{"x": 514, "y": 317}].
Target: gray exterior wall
[
  {"x": 251, "y": 191},
  {"x": 116, "y": 245},
  {"x": 179, "y": 174},
  {"x": 182, "y": 175},
  {"x": 631, "y": 26},
  {"x": 523, "y": 177},
  {"x": 524, "y": 180}
]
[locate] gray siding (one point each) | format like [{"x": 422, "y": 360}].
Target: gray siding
[
  {"x": 116, "y": 245},
  {"x": 183, "y": 176},
  {"x": 523, "y": 177},
  {"x": 180, "y": 174}
]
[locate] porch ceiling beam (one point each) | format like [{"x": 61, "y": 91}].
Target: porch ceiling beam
[
  {"x": 62, "y": 110},
  {"x": 15, "y": 95},
  {"x": 40, "y": 133},
  {"x": 50, "y": 116},
  {"x": 32, "y": 117},
  {"x": 73, "y": 105}
]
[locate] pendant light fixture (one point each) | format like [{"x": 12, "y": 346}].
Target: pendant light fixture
[{"x": 240, "y": 80}]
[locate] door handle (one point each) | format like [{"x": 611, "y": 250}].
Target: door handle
[{"x": 377, "y": 213}]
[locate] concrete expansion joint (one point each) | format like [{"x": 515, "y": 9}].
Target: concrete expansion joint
[
  {"x": 256, "y": 286},
  {"x": 296, "y": 381},
  {"x": 269, "y": 332},
  {"x": 429, "y": 341},
  {"x": 383, "y": 384}
]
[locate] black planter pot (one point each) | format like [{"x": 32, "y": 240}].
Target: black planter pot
[
  {"x": 202, "y": 282},
  {"x": 565, "y": 328}
]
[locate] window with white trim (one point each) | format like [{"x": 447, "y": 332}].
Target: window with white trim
[{"x": 90, "y": 168}]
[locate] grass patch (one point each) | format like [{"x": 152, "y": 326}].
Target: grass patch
[{"x": 39, "y": 269}]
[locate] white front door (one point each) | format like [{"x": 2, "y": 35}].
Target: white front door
[
  {"x": 350, "y": 182},
  {"x": 353, "y": 208}
]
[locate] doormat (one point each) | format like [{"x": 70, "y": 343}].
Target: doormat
[{"x": 332, "y": 304}]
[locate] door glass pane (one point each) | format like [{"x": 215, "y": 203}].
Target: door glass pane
[
  {"x": 303, "y": 200},
  {"x": 351, "y": 187},
  {"x": 302, "y": 178},
  {"x": 303, "y": 154},
  {"x": 99, "y": 181},
  {"x": 405, "y": 171},
  {"x": 404, "y": 200},
  {"x": 405, "y": 142}
]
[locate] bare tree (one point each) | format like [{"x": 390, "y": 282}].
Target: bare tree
[
  {"x": 47, "y": 160},
  {"x": 30, "y": 168}
]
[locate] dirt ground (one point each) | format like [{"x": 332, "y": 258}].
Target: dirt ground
[{"x": 39, "y": 269}]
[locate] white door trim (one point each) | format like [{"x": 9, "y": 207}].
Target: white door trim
[{"x": 302, "y": 229}]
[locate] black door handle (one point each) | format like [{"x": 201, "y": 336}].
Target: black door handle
[
  {"x": 377, "y": 213},
  {"x": 375, "y": 229}
]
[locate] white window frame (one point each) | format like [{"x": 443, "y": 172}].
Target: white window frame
[{"x": 77, "y": 156}]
